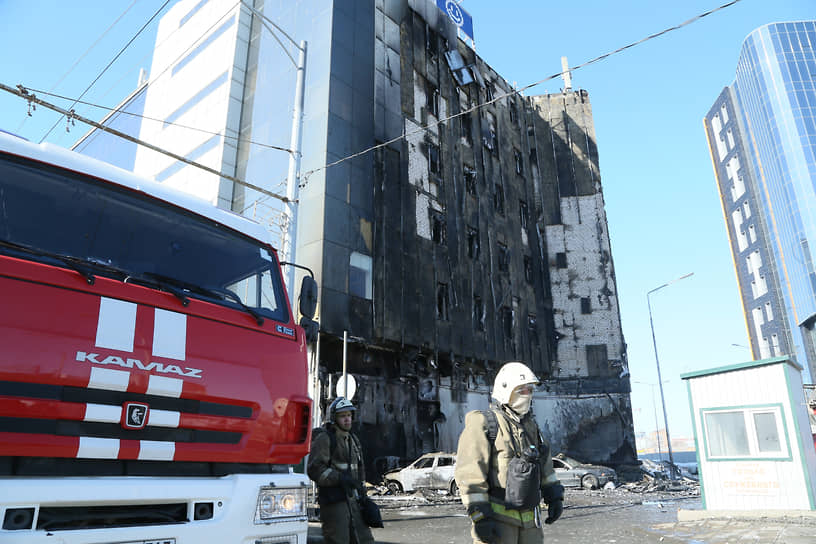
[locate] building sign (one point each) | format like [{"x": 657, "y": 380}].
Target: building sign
[
  {"x": 460, "y": 17},
  {"x": 750, "y": 479}
]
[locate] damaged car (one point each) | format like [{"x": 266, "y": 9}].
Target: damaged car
[
  {"x": 431, "y": 471},
  {"x": 573, "y": 473}
]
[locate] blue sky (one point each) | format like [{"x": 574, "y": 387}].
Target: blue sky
[{"x": 648, "y": 102}]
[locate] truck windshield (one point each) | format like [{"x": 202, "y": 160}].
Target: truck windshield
[{"x": 65, "y": 217}]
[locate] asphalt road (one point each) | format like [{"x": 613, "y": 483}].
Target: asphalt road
[{"x": 596, "y": 517}]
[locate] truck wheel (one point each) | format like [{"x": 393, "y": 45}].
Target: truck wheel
[
  {"x": 394, "y": 487},
  {"x": 589, "y": 481},
  {"x": 454, "y": 489}
]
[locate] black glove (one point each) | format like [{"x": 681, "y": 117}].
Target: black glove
[
  {"x": 553, "y": 495},
  {"x": 554, "y": 510},
  {"x": 484, "y": 526},
  {"x": 347, "y": 482}
]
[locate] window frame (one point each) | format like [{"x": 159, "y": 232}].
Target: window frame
[{"x": 748, "y": 411}]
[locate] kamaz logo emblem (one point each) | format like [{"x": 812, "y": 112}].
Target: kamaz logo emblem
[
  {"x": 128, "y": 362},
  {"x": 135, "y": 415}
]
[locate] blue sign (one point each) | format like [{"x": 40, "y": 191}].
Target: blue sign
[{"x": 460, "y": 17}]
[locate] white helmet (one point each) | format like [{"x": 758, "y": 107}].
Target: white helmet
[
  {"x": 340, "y": 404},
  {"x": 510, "y": 376}
]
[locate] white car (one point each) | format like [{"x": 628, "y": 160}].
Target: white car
[{"x": 431, "y": 471}]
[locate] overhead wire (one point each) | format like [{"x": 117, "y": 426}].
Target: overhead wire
[
  {"x": 305, "y": 176},
  {"x": 122, "y": 50}
]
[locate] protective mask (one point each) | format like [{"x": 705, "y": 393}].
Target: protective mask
[{"x": 520, "y": 404}]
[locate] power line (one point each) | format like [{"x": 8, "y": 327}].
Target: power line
[
  {"x": 71, "y": 114},
  {"x": 124, "y": 112},
  {"x": 110, "y": 64},
  {"x": 306, "y": 175}
]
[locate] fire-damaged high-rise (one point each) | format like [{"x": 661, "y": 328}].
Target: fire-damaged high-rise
[{"x": 452, "y": 224}]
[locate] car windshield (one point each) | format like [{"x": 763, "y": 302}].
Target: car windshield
[{"x": 65, "y": 217}]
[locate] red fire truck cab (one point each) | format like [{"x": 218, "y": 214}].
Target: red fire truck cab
[{"x": 153, "y": 379}]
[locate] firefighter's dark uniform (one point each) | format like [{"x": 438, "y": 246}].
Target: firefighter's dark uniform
[
  {"x": 481, "y": 472},
  {"x": 339, "y": 511}
]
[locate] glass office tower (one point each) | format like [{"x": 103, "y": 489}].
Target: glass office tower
[{"x": 765, "y": 159}]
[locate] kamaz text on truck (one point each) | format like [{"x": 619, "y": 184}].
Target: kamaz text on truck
[{"x": 153, "y": 378}]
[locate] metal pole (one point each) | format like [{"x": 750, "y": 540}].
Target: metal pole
[
  {"x": 659, "y": 377},
  {"x": 293, "y": 177},
  {"x": 657, "y": 426},
  {"x": 345, "y": 374}
]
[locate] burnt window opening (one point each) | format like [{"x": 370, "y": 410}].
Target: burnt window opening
[
  {"x": 478, "y": 313},
  {"x": 533, "y": 156},
  {"x": 586, "y": 306},
  {"x": 470, "y": 180},
  {"x": 439, "y": 232},
  {"x": 519, "y": 162},
  {"x": 523, "y": 213},
  {"x": 504, "y": 257},
  {"x": 561, "y": 260},
  {"x": 507, "y": 321},
  {"x": 532, "y": 328},
  {"x": 434, "y": 163},
  {"x": 498, "y": 199},
  {"x": 442, "y": 302},
  {"x": 473, "y": 243},
  {"x": 432, "y": 94},
  {"x": 528, "y": 269},
  {"x": 490, "y": 92},
  {"x": 491, "y": 141},
  {"x": 431, "y": 43},
  {"x": 597, "y": 360},
  {"x": 514, "y": 117},
  {"x": 467, "y": 129}
]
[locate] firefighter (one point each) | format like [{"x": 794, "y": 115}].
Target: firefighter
[
  {"x": 336, "y": 466},
  {"x": 503, "y": 465}
]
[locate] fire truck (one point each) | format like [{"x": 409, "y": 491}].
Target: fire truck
[{"x": 153, "y": 377}]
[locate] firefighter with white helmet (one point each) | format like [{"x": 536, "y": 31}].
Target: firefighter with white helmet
[
  {"x": 336, "y": 466},
  {"x": 503, "y": 465}
]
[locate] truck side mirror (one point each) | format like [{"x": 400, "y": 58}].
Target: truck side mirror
[{"x": 308, "y": 297}]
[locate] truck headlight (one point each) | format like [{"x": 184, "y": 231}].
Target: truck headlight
[{"x": 280, "y": 504}]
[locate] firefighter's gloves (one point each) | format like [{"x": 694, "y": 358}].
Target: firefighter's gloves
[
  {"x": 553, "y": 495},
  {"x": 484, "y": 526},
  {"x": 347, "y": 482}
]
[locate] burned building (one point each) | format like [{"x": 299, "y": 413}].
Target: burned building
[{"x": 452, "y": 224}]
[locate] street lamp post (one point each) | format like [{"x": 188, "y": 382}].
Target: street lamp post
[{"x": 659, "y": 377}]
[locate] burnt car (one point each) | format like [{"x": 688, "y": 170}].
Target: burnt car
[
  {"x": 573, "y": 473},
  {"x": 431, "y": 471}
]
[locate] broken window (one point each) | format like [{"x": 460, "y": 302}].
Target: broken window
[
  {"x": 513, "y": 112},
  {"x": 528, "y": 269},
  {"x": 432, "y": 96},
  {"x": 504, "y": 257},
  {"x": 498, "y": 199},
  {"x": 533, "y": 156},
  {"x": 489, "y": 136},
  {"x": 442, "y": 301},
  {"x": 470, "y": 179},
  {"x": 586, "y": 307},
  {"x": 561, "y": 260},
  {"x": 519, "y": 161},
  {"x": 473, "y": 243},
  {"x": 461, "y": 73},
  {"x": 490, "y": 92},
  {"x": 434, "y": 164},
  {"x": 532, "y": 329},
  {"x": 360, "y": 275},
  {"x": 438, "y": 228},
  {"x": 478, "y": 313},
  {"x": 431, "y": 43},
  {"x": 523, "y": 214},
  {"x": 507, "y": 324},
  {"x": 467, "y": 132}
]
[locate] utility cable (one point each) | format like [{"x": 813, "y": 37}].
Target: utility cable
[
  {"x": 187, "y": 127},
  {"x": 306, "y": 175},
  {"x": 70, "y": 114},
  {"x": 109, "y": 65}
]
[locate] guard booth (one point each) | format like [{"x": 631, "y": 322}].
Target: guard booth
[{"x": 752, "y": 431}]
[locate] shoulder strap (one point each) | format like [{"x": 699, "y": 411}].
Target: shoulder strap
[{"x": 492, "y": 425}]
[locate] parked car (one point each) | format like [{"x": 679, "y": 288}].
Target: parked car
[
  {"x": 573, "y": 473},
  {"x": 431, "y": 471}
]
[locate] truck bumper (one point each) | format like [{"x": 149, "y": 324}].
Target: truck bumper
[{"x": 231, "y": 518}]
